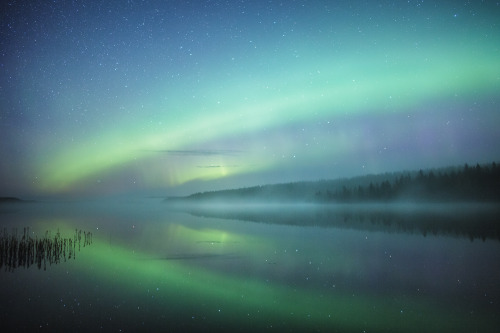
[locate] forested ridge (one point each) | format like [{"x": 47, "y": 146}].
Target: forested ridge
[{"x": 479, "y": 183}]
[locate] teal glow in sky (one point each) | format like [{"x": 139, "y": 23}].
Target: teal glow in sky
[{"x": 172, "y": 97}]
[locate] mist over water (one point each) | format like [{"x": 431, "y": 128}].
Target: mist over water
[
  {"x": 348, "y": 268},
  {"x": 472, "y": 220}
]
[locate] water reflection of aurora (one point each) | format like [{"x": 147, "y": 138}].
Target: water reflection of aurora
[{"x": 194, "y": 294}]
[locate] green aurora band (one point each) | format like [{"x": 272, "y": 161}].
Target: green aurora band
[{"x": 303, "y": 98}]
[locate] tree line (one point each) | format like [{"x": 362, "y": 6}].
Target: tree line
[{"x": 479, "y": 183}]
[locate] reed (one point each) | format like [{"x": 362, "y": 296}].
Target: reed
[{"x": 26, "y": 251}]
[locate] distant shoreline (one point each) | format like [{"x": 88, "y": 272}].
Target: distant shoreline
[
  {"x": 459, "y": 184},
  {"x": 13, "y": 200}
]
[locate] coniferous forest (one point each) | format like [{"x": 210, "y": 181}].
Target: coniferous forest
[{"x": 479, "y": 183}]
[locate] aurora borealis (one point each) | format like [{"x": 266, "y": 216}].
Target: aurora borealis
[{"x": 171, "y": 97}]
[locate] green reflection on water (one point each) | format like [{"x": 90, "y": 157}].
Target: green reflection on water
[
  {"x": 219, "y": 298},
  {"x": 153, "y": 269}
]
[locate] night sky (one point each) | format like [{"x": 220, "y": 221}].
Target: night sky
[{"x": 103, "y": 98}]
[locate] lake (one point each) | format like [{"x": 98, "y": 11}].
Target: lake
[{"x": 350, "y": 268}]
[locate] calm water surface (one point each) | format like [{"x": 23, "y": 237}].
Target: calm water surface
[{"x": 281, "y": 269}]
